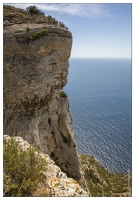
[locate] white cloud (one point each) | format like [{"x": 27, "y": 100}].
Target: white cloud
[{"x": 89, "y": 10}]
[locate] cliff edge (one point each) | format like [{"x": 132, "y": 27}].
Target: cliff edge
[
  {"x": 47, "y": 179},
  {"x": 36, "y": 61}
]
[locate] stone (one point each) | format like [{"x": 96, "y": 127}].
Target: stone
[{"x": 35, "y": 71}]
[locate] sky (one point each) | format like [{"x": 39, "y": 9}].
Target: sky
[{"x": 99, "y": 30}]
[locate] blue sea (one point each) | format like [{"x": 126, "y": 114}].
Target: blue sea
[{"x": 100, "y": 96}]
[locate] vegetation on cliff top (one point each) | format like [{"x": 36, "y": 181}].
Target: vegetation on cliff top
[
  {"x": 22, "y": 169},
  {"x": 101, "y": 182},
  {"x": 33, "y": 10},
  {"x": 31, "y": 15}
]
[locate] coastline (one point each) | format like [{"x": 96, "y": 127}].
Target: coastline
[{"x": 101, "y": 182}]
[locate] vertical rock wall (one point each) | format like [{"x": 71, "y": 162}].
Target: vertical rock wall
[{"x": 34, "y": 73}]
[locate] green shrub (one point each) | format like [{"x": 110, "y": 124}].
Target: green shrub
[
  {"x": 52, "y": 20},
  {"x": 33, "y": 10},
  {"x": 62, "y": 94},
  {"x": 27, "y": 29},
  {"x": 22, "y": 170},
  {"x": 19, "y": 14},
  {"x": 62, "y": 25},
  {"x": 39, "y": 34}
]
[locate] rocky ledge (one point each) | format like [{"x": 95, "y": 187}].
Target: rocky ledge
[{"x": 55, "y": 183}]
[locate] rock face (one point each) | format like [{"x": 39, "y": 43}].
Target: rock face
[
  {"x": 35, "y": 70},
  {"x": 55, "y": 183}
]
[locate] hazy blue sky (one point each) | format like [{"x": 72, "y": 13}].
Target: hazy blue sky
[{"x": 99, "y": 30}]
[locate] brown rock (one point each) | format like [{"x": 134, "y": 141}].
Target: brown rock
[{"x": 35, "y": 70}]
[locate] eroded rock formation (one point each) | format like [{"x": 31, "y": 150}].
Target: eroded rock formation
[{"x": 35, "y": 70}]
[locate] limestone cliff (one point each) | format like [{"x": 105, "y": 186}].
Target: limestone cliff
[{"x": 35, "y": 70}]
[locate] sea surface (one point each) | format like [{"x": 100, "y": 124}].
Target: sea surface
[{"x": 100, "y": 96}]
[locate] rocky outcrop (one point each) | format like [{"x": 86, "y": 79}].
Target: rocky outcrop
[
  {"x": 55, "y": 183},
  {"x": 35, "y": 70}
]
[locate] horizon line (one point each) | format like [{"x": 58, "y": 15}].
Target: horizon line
[{"x": 102, "y": 57}]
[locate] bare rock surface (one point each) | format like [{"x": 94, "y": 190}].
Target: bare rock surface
[{"x": 35, "y": 71}]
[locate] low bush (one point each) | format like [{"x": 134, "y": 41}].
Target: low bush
[
  {"x": 20, "y": 14},
  {"x": 62, "y": 94},
  {"x": 22, "y": 170},
  {"x": 52, "y": 20},
  {"x": 39, "y": 34},
  {"x": 33, "y": 10},
  {"x": 27, "y": 29},
  {"x": 62, "y": 25}
]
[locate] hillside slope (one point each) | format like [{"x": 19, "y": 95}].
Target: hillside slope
[{"x": 101, "y": 182}]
